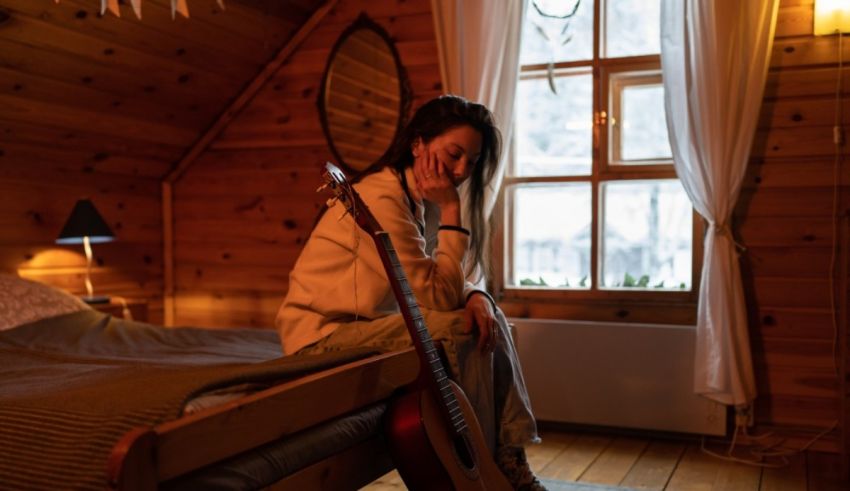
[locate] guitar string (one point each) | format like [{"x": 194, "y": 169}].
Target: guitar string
[
  {"x": 451, "y": 404},
  {"x": 455, "y": 416},
  {"x": 355, "y": 229}
]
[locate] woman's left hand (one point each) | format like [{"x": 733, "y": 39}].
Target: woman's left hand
[{"x": 479, "y": 313}]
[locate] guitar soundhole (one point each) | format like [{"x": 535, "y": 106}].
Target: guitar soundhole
[{"x": 464, "y": 451}]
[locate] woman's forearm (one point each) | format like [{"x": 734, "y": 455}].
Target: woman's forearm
[{"x": 450, "y": 214}]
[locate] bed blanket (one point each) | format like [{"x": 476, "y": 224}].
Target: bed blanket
[{"x": 72, "y": 385}]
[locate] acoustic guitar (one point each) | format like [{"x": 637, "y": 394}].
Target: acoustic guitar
[{"x": 433, "y": 434}]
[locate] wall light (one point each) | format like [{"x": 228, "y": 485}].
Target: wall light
[{"x": 832, "y": 16}]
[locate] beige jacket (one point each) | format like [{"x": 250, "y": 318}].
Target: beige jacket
[{"x": 339, "y": 276}]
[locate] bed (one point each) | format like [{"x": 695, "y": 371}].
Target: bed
[{"x": 88, "y": 401}]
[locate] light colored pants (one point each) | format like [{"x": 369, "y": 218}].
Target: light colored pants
[{"x": 493, "y": 383}]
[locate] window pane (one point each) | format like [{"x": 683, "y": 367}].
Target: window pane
[
  {"x": 646, "y": 235},
  {"x": 551, "y": 236},
  {"x": 643, "y": 128},
  {"x": 554, "y": 132},
  {"x": 546, "y": 40},
  {"x": 633, "y": 27}
]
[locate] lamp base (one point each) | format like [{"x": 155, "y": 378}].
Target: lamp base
[{"x": 95, "y": 299}]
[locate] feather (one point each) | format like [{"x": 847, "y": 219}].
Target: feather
[
  {"x": 541, "y": 31},
  {"x": 550, "y": 77}
]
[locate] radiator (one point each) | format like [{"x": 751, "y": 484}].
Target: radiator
[{"x": 612, "y": 374}]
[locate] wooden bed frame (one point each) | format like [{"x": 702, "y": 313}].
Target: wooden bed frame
[{"x": 145, "y": 457}]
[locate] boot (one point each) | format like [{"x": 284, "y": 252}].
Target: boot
[{"x": 514, "y": 465}]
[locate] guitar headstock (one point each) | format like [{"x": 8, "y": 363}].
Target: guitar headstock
[{"x": 336, "y": 181}]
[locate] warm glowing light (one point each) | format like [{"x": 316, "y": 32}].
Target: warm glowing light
[{"x": 832, "y": 16}]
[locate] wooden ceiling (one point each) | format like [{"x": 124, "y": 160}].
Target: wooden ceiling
[{"x": 91, "y": 93}]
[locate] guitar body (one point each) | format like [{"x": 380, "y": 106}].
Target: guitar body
[{"x": 430, "y": 456}]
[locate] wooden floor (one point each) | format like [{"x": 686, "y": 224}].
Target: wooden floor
[{"x": 670, "y": 465}]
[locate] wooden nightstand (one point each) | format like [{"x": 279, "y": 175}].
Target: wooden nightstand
[{"x": 138, "y": 308}]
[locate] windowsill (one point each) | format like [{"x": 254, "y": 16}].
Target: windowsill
[
  {"x": 681, "y": 312},
  {"x": 612, "y": 294}
]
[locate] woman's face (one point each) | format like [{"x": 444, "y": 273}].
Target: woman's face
[{"x": 458, "y": 148}]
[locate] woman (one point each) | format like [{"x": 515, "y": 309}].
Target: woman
[{"x": 339, "y": 296}]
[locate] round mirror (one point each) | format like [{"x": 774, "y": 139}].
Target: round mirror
[{"x": 364, "y": 96}]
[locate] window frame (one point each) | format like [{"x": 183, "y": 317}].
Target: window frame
[
  {"x": 602, "y": 170},
  {"x": 617, "y": 81}
]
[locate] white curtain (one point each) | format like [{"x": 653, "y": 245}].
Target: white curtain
[
  {"x": 479, "y": 60},
  {"x": 714, "y": 58}
]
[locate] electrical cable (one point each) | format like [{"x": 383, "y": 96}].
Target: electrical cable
[
  {"x": 837, "y": 140},
  {"x": 125, "y": 309}
]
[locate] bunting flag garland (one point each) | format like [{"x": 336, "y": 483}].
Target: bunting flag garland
[
  {"x": 112, "y": 5},
  {"x": 179, "y": 6},
  {"x": 137, "y": 8},
  {"x": 176, "y": 6}
]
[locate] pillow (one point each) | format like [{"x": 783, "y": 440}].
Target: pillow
[{"x": 24, "y": 301}]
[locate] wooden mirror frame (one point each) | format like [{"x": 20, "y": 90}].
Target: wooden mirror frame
[{"x": 405, "y": 94}]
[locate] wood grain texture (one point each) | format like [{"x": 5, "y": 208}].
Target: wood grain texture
[
  {"x": 615, "y": 462},
  {"x": 102, "y": 107},
  {"x": 785, "y": 223},
  {"x": 577, "y": 457},
  {"x": 785, "y": 216},
  {"x": 279, "y": 411},
  {"x": 698, "y": 471},
  {"x": 36, "y": 203},
  {"x": 655, "y": 466},
  {"x": 789, "y": 478},
  {"x": 245, "y": 207},
  {"x": 678, "y": 464}
]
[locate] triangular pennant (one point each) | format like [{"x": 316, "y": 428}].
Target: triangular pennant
[
  {"x": 179, "y": 6},
  {"x": 112, "y": 5},
  {"x": 137, "y": 8}
]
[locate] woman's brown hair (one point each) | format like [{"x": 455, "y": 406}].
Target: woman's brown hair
[{"x": 431, "y": 120}]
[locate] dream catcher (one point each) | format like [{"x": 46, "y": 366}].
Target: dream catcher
[{"x": 553, "y": 27}]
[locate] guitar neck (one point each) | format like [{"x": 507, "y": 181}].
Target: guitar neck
[
  {"x": 432, "y": 367},
  {"x": 433, "y": 373}
]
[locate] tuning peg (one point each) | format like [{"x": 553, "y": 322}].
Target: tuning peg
[
  {"x": 322, "y": 188},
  {"x": 330, "y": 202}
]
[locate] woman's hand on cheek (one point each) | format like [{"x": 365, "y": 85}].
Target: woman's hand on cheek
[{"x": 433, "y": 179}]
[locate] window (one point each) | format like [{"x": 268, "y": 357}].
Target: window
[{"x": 592, "y": 205}]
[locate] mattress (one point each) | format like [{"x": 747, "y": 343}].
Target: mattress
[{"x": 72, "y": 385}]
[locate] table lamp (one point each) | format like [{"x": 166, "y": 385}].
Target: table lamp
[{"x": 86, "y": 226}]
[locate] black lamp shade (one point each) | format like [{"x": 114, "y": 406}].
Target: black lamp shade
[{"x": 85, "y": 221}]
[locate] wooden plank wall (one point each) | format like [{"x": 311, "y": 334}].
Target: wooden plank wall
[
  {"x": 785, "y": 218},
  {"x": 244, "y": 209},
  {"x": 37, "y": 198},
  {"x": 102, "y": 107}
]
